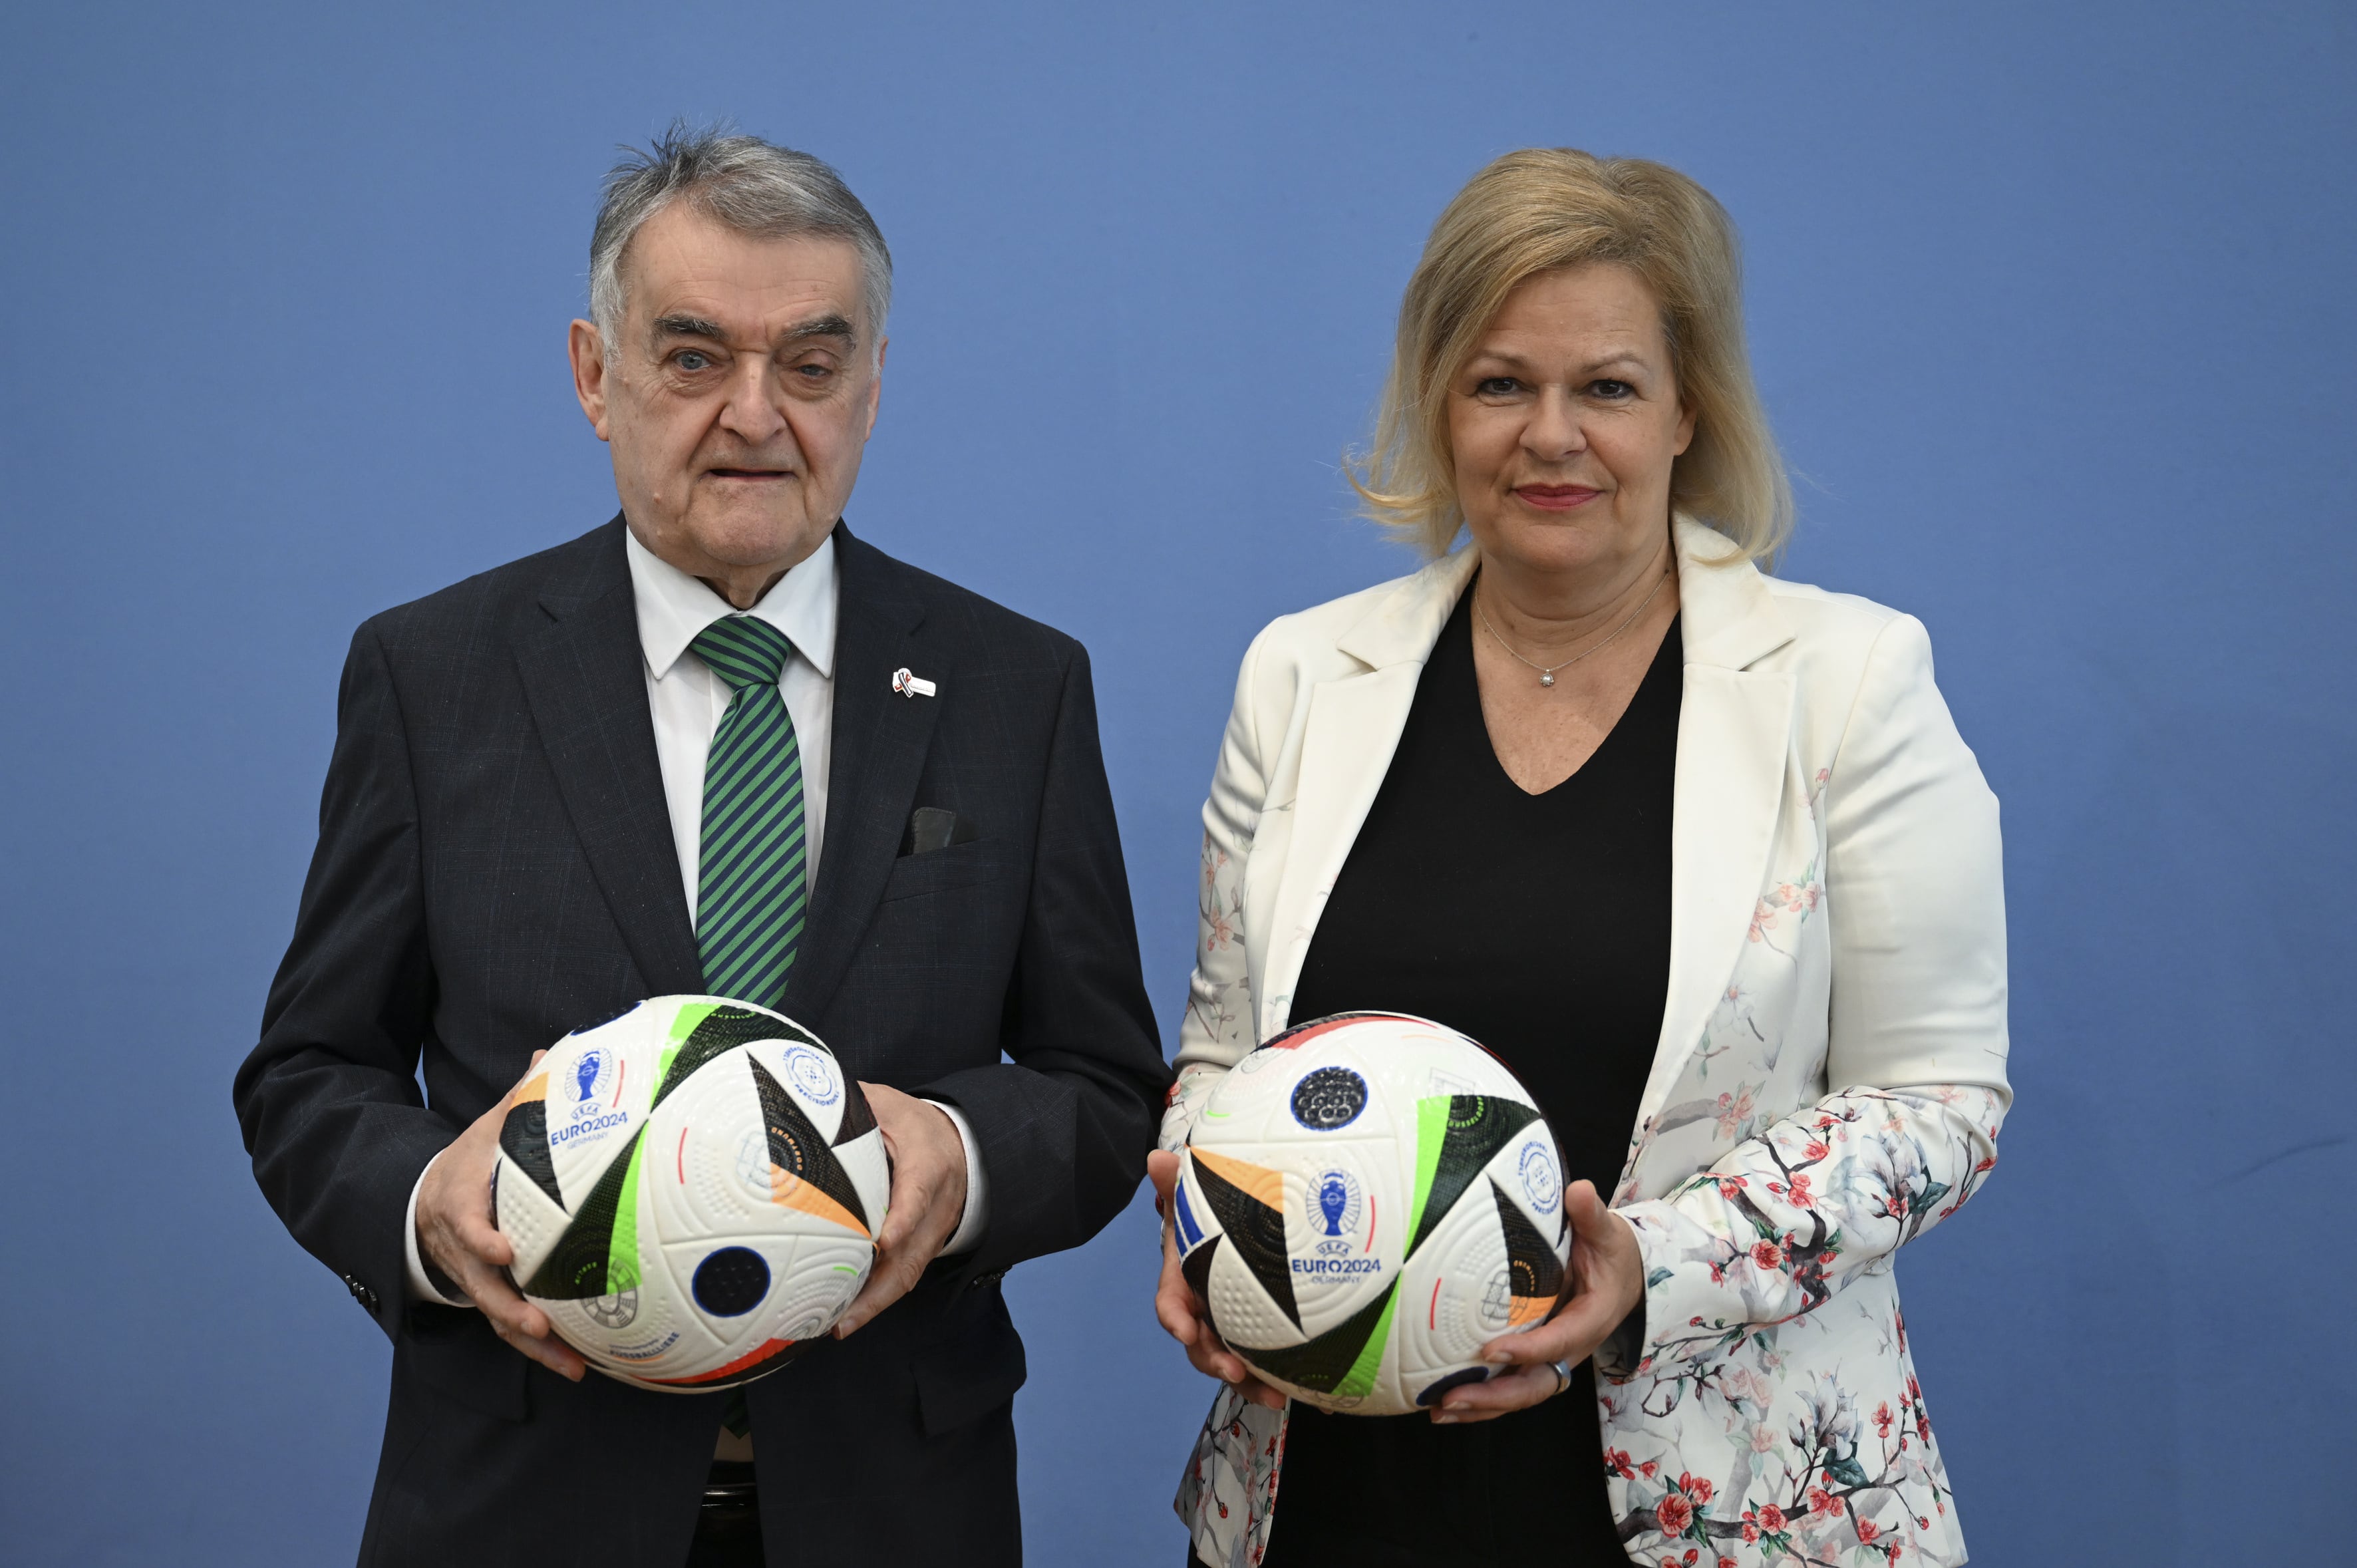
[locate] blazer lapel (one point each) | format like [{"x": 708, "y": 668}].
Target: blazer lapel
[
  {"x": 878, "y": 752},
  {"x": 1734, "y": 738},
  {"x": 584, "y": 680},
  {"x": 1353, "y": 728}
]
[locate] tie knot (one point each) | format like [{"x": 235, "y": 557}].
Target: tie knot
[{"x": 744, "y": 651}]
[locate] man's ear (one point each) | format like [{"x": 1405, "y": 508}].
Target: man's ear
[
  {"x": 876, "y": 387},
  {"x": 587, "y": 348}
]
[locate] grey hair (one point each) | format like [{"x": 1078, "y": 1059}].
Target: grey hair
[{"x": 751, "y": 185}]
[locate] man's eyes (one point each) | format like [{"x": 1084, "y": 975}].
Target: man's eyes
[{"x": 695, "y": 361}]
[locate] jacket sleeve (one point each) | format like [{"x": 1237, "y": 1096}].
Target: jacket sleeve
[
  {"x": 1916, "y": 1055},
  {"x": 1218, "y": 1027},
  {"x": 1064, "y": 1127},
  {"x": 329, "y": 1101}
]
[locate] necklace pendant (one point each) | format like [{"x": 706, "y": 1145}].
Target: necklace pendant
[{"x": 1546, "y": 677}]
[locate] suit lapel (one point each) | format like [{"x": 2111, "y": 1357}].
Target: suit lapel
[
  {"x": 878, "y": 753},
  {"x": 584, "y": 680},
  {"x": 1734, "y": 739}
]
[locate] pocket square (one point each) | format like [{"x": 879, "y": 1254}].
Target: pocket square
[{"x": 936, "y": 827}]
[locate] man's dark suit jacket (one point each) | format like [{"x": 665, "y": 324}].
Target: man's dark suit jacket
[{"x": 496, "y": 868}]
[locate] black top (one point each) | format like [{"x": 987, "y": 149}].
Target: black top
[{"x": 1540, "y": 925}]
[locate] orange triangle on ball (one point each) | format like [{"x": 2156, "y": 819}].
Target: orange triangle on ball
[{"x": 791, "y": 1190}]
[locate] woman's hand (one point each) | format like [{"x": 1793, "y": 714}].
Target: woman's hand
[
  {"x": 1608, "y": 1276},
  {"x": 1181, "y": 1310}
]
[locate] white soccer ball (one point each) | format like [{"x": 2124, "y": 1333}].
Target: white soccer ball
[
  {"x": 692, "y": 1191},
  {"x": 1366, "y": 1201}
]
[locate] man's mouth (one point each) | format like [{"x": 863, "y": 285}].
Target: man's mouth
[{"x": 750, "y": 473}]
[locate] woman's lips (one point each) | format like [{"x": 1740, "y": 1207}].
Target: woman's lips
[{"x": 1557, "y": 497}]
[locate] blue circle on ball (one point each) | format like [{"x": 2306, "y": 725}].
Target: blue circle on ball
[
  {"x": 1329, "y": 1098},
  {"x": 732, "y": 1282}
]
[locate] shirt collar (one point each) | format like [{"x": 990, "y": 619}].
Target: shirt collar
[{"x": 674, "y": 609}]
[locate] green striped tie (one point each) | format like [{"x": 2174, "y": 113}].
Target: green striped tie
[{"x": 752, "y": 872}]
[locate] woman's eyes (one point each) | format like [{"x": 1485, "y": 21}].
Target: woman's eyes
[{"x": 1609, "y": 389}]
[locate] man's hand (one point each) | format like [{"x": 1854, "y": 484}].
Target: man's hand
[
  {"x": 1181, "y": 1311},
  {"x": 456, "y": 1234},
  {"x": 927, "y": 1198},
  {"x": 1607, "y": 1277}
]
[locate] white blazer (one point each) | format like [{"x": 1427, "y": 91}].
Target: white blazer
[{"x": 1831, "y": 1072}]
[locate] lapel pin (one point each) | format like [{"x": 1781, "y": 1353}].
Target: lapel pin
[{"x": 909, "y": 685}]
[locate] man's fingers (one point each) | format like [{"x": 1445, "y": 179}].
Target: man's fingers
[
  {"x": 891, "y": 1278},
  {"x": 517, "y": 1321},
  {"x": 552, "y": 1353},
  {"x": 900, "y": 1260},
  {"x": 479, "y": 1237}
]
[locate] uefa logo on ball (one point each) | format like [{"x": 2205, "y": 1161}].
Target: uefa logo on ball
[
  {"x": 1332, "y": 1205},
  {"x": 593, "y": 1082}
]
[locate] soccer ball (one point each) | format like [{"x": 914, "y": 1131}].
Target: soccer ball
[
  {"x": 1366, "y": 1201},
  {"x": 692, "y": 1191}
]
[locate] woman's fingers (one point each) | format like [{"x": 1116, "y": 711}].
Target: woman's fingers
[
  {"x": 1162, "y": 1170},
  {"x": 1260, "y": 1393},
  {"x": 1517, "y": 1390},
  {"x": 1608, "y": 1275},
  {"x": 1605, "y": 1252},
  {"x": 1572, "y": 1334},
  {"x": 1181, "y": 1311},
  {"x": 1175, "y": 1307}
]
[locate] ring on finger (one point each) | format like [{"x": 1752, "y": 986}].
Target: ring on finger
[{"x": 1562, "y": 1370}]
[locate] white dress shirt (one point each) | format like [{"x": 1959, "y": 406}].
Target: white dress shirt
[{"x": 688, "y": 702}]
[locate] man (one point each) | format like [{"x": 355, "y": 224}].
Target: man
[{"x": 513, "y": 844}]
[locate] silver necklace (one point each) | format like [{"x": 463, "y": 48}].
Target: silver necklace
[{"x": 1546, "y": 671}]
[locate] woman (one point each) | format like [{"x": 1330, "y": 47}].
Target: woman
[{"x": 1698, "y": 853}]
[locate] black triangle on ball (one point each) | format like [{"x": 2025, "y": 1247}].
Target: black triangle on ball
[{"x": 1257, "y": 1234}]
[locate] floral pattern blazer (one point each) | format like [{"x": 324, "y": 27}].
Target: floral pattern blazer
[{"x": 1828, "y": 1084}]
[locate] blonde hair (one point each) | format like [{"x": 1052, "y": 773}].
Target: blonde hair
[{"x": 1540, "y": 211}]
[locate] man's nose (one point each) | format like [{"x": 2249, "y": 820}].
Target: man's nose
[
  {"x": 751, "y": 415},
  {"x": 1554, "y": 431}
]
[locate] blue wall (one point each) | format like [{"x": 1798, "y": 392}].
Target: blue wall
[{"x": 2051, "y": 306}]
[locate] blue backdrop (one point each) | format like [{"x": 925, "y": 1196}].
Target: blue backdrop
[{"x": 2051, "y": 308}]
